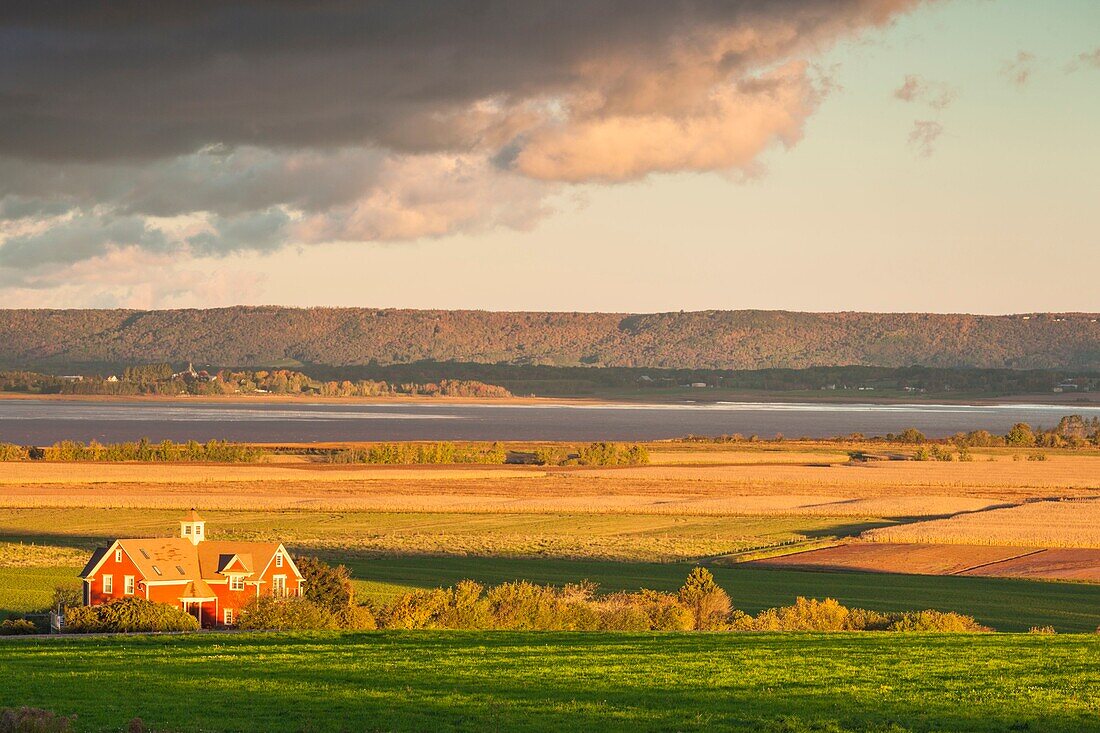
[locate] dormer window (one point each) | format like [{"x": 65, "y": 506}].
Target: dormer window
[{"x": 278, "y": 559}]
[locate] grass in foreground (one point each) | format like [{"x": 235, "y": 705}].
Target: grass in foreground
[{"x": 562, "y": 682}]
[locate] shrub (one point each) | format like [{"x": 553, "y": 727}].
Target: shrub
[
  {"x": 325, "y": 585},
  {"x": 420, "y": 609},
  {"x": 1042, "y": 630},
  {"x": 128, "y": 614},
  {"x": 708, "y": 603},
  {"x": 805, "y": 615},
  {"x": 1037, "y": 457},
  {"x": 285, "y": 614},
  {"x": 17, "y": 627},
  {"x": 10, "y": 452},
  {"x": 34, "y": 720},
  {"x": 613, "y": 454},
  {"x": 357, "y": 618},
  {"x": 939, "y": 621}
]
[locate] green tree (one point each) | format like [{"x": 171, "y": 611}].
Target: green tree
[{"x": 708, "y": 603}]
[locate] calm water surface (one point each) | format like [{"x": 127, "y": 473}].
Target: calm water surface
[{"x": 39, "y": 422}]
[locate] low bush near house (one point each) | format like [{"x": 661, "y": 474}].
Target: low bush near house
[
  {"x": 17, "y": 627},
  {"x": 129, "y": 614},
  {"x": 285, "y": 614}
]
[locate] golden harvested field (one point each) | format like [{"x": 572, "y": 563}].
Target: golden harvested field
[
  {"x": 1036, "y": 524},
  {"x": 588, "y": 536}
]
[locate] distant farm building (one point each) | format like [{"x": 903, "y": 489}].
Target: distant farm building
[{"x": 210, "y": 580}]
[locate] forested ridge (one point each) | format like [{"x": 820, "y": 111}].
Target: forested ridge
[{"x": 276, "y": 336}]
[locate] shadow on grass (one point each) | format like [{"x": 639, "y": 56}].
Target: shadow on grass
[{"x": 563, "y": 682}]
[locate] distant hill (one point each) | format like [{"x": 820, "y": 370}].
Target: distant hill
[{"x": 274, "y": 336}]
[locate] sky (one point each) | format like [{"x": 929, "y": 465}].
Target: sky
[{"x": 607, "y": 155}]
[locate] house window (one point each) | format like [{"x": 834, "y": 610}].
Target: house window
[
  {"x": 278, "y": 586},
  {"x": 187, "y": 529},
  {"x": 108, "y": 584},
  {"x": 236, "y": 582},
  {"x": 228, "y": 617},
  {"x": 279, "y": 560},
  {"x": 198, "y": 529},
  {"x": 118, "y": 555},
  {"x": 128, "y": 585}
]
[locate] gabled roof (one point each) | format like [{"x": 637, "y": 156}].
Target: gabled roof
[
  {"x": 197, "y": 590},
  {"x": 214, "y": 556},
  {"x": 236, "y": 563},
  {"x": 98, "y": 555},
  {"x": 176, "y": 559},
  {"x": 192, "y": 516}
]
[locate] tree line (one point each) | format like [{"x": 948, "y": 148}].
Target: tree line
[
  {"x": 160, "y": 379},
  {"x": 591, "y": 454},
  {"x": 214, "y": 451}
]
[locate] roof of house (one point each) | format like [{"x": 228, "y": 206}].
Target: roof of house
[
  {"x": 197, "y": 590},
  {"x": 175, "y": 558},
  {"x": 192, "y": 516}
]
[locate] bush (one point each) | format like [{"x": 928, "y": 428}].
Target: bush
[
  {"x": 1037, "y": 457},
  {"x": 34, "y": 720},
  {"x": 17, "y": 627},
  {"x": 66, "y": 596},
  {"x": 613, "y": 454},
  {"x": 1042, "y": 630},
  {"x": 829, "y": 615},
  {"x": 128, "y": 614},
  {"x": 285, "y": 614},
  {"x": 708, "y": 603},
  {"x": 938, "y": 621},
  {"x": 10, "y": 452}
]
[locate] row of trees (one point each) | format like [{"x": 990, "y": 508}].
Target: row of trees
[
  {"x": 422, "y": 453},
  {"x": 214, "y": 451},
  {"x": 699, "y": 605},
  {"x": 159, "y": 379},
  {"x": 1072, "y": 431},
  {"x": 592, "y": 454}
]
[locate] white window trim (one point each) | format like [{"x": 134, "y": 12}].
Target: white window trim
[
  {"x": 278, "y": 585},
  {"x": 227, "y": 616},
  {"x": 278, "y": 559},
  {"x": 236, "y": 582},
  {"x": 128, "y": 585},
  {"x": 118, "y": 555},
  {"x": 108, "y": 583}
]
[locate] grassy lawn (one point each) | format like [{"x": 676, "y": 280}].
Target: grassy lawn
[{"x": 561, "y": 682}]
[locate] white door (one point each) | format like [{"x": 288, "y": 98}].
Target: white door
[{"x": 278, "y": 586}]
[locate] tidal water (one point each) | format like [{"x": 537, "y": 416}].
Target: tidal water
[{"x": 41, "y": 422}]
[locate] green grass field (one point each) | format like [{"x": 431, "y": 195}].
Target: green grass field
[
  {"x": 1004, "y": 604},
  {"x": 387, "y": 681}
]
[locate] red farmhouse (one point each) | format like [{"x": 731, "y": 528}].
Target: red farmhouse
[{"x": 210, "y": 580}]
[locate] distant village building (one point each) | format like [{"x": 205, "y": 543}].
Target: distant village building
[{"x": 210, "y": 580}]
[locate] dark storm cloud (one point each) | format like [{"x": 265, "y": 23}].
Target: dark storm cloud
[
  {"x": 201, "y": 128},
  {"x": 137, "y": 79}
]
